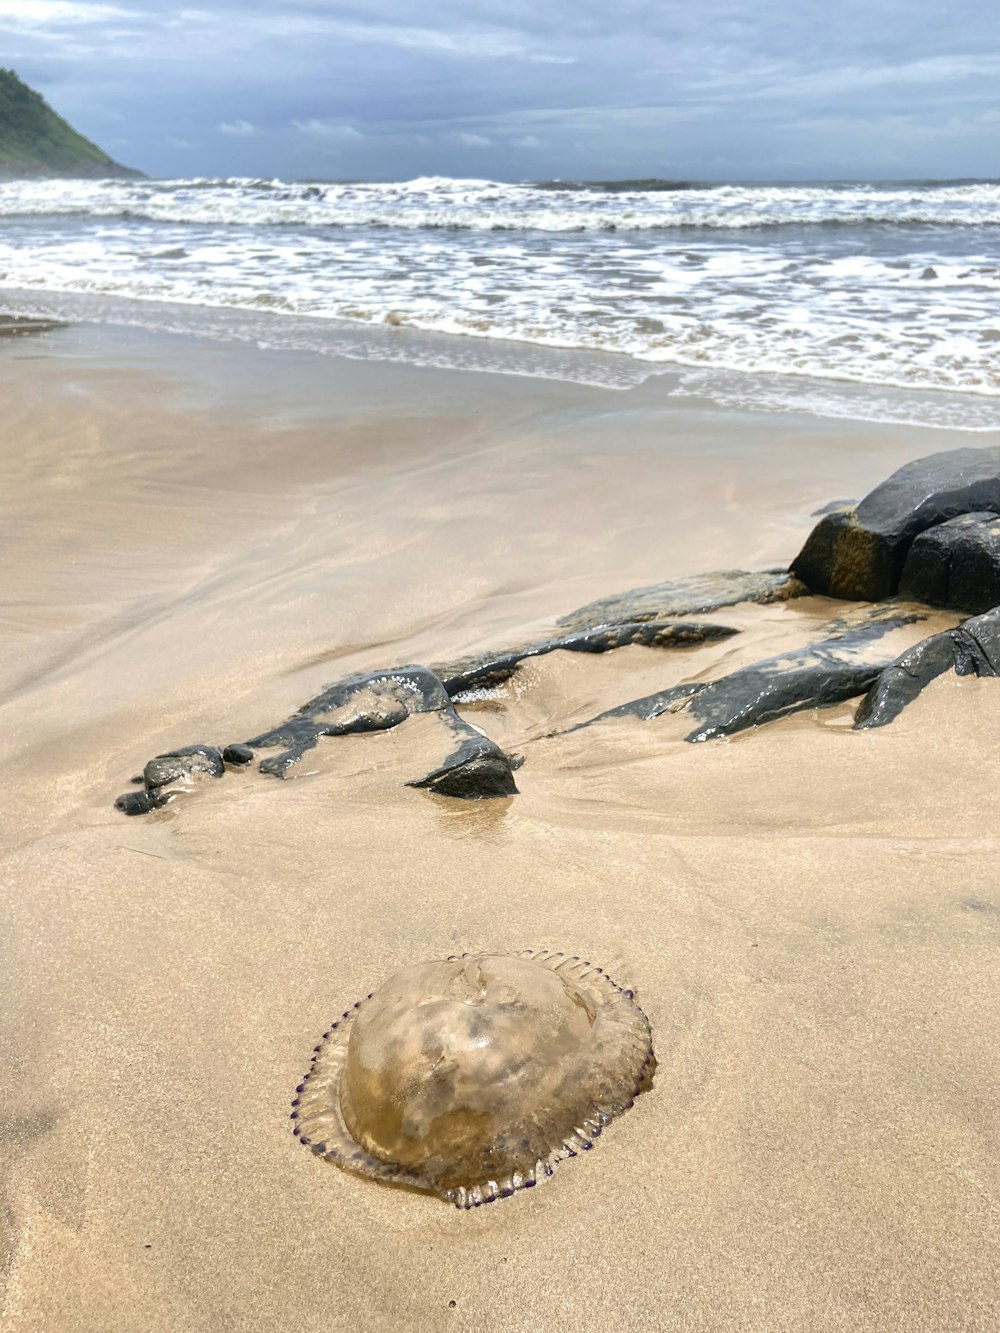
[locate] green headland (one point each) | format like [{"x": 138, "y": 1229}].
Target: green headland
[{"x": 35, "y": 141}]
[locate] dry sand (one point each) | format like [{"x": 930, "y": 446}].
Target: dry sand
[{"x": 195, "y": 538}]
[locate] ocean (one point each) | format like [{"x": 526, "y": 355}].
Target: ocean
[{"x": 871, "y": 301}]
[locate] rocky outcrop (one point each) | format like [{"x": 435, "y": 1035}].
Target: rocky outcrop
[
  {"x": 838, "y": 667},
  {"x": 971, "y": 649},
  {"x": 475, "y": 769},
  {"x": 23, "y": 326},
  {"x": 931, "y": 532},
  {"x": 376, "y": 701},
  {"x": 828, "y": 672},
  {"x": 492, "y": 669},
  {"x": 860, "y": 553},
  {"x": 686, "y": 597},
  {"x": 366, "y": 701},
  {"x": 956, "y": 564}
]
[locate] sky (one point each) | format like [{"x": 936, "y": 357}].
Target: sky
[{"x": 523, "y": 89}]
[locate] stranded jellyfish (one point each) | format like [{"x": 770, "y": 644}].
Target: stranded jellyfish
[{"x": 473, "y": 1077}]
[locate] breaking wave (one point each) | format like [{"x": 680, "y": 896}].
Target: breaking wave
[{"x": 891, "y": 286}]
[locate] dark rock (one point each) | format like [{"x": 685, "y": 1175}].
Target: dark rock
[
  {"x": 971, "y": 649},
  {"x": 182, "y": 765},
  {"x": 683, "y": 597},
  {"x": 646, "y": 708},
  {"x": 370, "y": 701},
  {"x": 493, "y": 669},
  {"x": 816, "y": 676},
  {"x": 367, "y": 701},
  {"x": 816, "y": 564},
  {"x": 167, "y": 774},
  {"x": 23, "y": 326},
  {"x": 901, "y": 681},
  {"x": 237, "y": 754},
  {"x": 956, "y": 564},
  {"x": 842, "y": 665},
  {"x": 985, "y": 631},
  {"x": 477, "y": 770},
  {"x": 860, "y": 553},
  {"x": 138, "y": 802}
]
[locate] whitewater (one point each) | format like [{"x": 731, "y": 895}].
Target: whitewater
[{"x": 878, "y": 300}]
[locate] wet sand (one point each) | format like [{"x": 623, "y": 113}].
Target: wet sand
[{"x": 193, "y": 540}]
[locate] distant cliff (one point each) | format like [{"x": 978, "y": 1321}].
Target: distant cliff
[{"x": 34, "y": 141}]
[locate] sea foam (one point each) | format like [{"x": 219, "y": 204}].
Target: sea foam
[{"x": 891, "y": 287}]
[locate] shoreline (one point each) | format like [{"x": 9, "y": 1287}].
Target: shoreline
[
  {"x": 747, "y": 485},
  {"x": 692, "y": 384},
  {"x": 198, "y": 536}
]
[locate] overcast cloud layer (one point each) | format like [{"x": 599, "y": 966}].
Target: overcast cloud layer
[{"x": 524, "y": 89}]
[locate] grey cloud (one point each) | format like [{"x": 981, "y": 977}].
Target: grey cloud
[{"x": 746, "y": 88}]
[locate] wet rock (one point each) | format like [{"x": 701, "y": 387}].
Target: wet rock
[
  {"x": 821, "y": 674},
  {"x": 366, "y": 701},
  {"x": 956, "y": 564},
  {"x": 683, "y": 597},
  {"x": 838, "y": 667},
  {"x": 901, "y": 682},
  {"x": 860, "y": 553},
  {"x": 237, "y": 754},
  {"x": 487, "y": 670},
  {"x": 181, "y": 765},
  {"x": 138, "y": 802},
  {"x": 985, "y": 631},
  {"x": 477, "y": 770},
  {"x": 168, "y": 774},
  {"x": 646, "y": 708},
  {"x": 971, "y": 649}
]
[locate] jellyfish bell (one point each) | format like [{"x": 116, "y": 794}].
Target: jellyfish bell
[
  {"x": 472, "y": 1077},
  {"x": 444, "y": 1055}
]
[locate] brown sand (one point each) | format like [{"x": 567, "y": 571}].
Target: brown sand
[{"x": 193, "y": 539}]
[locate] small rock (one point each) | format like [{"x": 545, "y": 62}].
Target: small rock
[
  {"x": 138, "y": 802},
  {"x": 478, "y": 770},
  {"x": 182, "y": 765},
  {"x": 237, "y": 754}
]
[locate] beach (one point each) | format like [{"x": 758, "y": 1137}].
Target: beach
[{"x": 197, "y": 537}]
